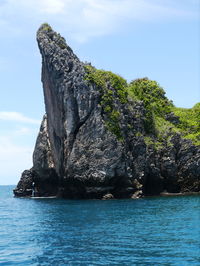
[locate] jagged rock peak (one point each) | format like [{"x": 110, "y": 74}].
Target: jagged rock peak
[
  {"x": 52, "y": 44},
  {"x": 46, "y": 35}
]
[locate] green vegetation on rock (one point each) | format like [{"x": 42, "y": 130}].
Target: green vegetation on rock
[
  {"x": 113, "y": 89},
  {"x": 189, "y": 124},
  {"x": 111, "y": 83},
  {"x": 162, "y": 118},
  {"x": 60, "y": 41},
  {"x": 153, "y": 98},
  {"x": 46, "y": 27}
]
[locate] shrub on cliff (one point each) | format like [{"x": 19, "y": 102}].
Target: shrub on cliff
[
  {"x": 189, "y": 124},
  {"x": 113, "y": 88},
  {"x": 153, "y": 98}
]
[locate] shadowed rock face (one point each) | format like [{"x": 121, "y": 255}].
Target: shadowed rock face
[{"x": 77, "y": 156}]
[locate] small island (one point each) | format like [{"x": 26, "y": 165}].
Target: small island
[{"x": 104, "y": 138}]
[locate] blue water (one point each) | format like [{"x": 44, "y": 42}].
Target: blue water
[{"x": 153, "y": 231}]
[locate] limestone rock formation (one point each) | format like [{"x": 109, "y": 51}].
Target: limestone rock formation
[{"x": 91, "y": 142}]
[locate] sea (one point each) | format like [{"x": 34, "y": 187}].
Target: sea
[{"x": 149, "y": 231}]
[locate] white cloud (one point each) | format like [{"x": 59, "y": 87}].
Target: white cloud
[
  {"x": 16, "y": 146},
  {"x": 7, "y": 147},
  {"x": 84, "y": 19},
  {"x": 15, "y": 116},
  {"x": 52, "y": 6},
  {"x": 13, "y": 160},
  {"x": 22, "y": 131}
]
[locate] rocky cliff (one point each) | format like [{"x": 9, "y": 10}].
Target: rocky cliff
[{"x": 104, "y": 138}]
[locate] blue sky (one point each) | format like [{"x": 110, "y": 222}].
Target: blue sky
[{"x": 159, "y": 39}]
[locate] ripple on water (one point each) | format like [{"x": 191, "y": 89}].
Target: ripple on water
[{"x": 153, "y": 231}]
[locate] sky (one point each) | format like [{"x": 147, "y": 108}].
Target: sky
[{"x": 158, "y": 39}]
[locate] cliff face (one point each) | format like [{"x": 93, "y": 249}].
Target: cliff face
[{"x": 92, "y": 140}]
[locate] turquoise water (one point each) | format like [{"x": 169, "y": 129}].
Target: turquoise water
[{"x": 153, "y": 231}]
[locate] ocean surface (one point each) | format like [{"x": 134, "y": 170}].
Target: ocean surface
[{"x": 152, "y": 231}]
